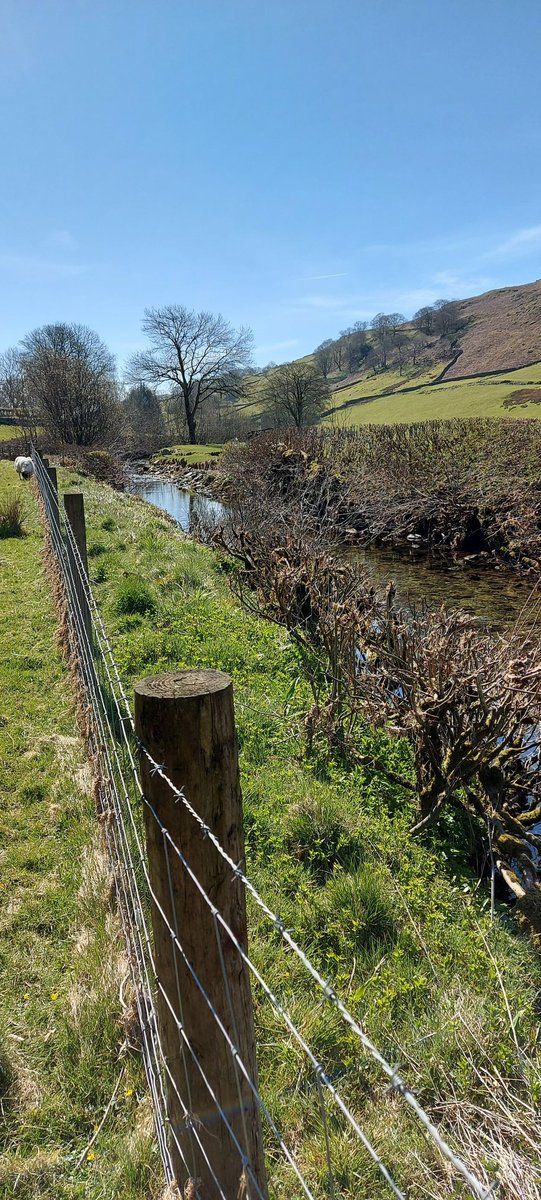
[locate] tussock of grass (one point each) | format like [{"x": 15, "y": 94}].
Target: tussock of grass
[
  {"x": 12, "y": 512},
  {"x": 134, "y": 596}
]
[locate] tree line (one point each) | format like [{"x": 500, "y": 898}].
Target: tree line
[
  {"x": 388, "y": 339},
  {"x": 194, "y": 377},
  {"x": 62, "y": 378}
]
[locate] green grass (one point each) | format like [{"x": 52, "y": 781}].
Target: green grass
[
  {"x": 193, "y": 454},
  {"x": 61, "y": 958},
  {"x": 401, "y": 926},
  {"x": 374, "y": 385},
  {"x": 458, "y": 398},
  {"x": 7, "y": 432}
]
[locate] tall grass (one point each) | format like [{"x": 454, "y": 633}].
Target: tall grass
[{"x": 12, "y": 511}]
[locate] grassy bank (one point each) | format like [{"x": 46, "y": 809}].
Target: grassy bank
[
  {"x": 465, "y": 486},
  {"x": 401, "y": 926},
  {"x": 62, "y": 963},
  {"x": 190, "y": 456}
]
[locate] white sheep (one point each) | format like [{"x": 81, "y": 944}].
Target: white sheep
[{"x": 24, "y": 466}]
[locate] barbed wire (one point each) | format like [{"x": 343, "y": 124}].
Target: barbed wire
[{"x": 117, "y": 743}]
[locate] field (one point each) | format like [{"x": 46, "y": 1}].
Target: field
[
  {"x": 486, "y": 397},
  {"x": 7, "y": 432}
]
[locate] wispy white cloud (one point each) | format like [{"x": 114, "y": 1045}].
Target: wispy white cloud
[
  {"x": 35, "y": 267},
  {"x": 332, "y": 275},
  {"x": 521, "y": 242}
]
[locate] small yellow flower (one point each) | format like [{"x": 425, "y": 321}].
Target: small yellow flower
[
  {"x": 54, "y": 995},
  {"x": 26, "y": 996},
  {"x": 128, "y": 1092},
  {"x": 90, "y": 1156}
]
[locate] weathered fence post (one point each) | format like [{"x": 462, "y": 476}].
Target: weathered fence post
[
  {"x": 75, "y": 514},
  {"x": 185, "y": 719}
]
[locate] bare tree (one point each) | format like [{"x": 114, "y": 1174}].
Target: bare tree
[
  {"x": 395, "y": 320},
  {"x": 423, "y": 320},
  {"x": 14, "y": 392},
  {"x": 198, "y": 354},
  {"x": 382, "y": 325},
  {"x": 402, "y": 345},
  {"x": 338, "y": 351},
  {"x": 69, "y": 382},
  {"x": 296, "y": 392},
  {"x": 447, "y": 319},
  {"x": 144, "y": 418},
  {"x": 324, "y": 357},
  {"x": 357, "y": 351}
]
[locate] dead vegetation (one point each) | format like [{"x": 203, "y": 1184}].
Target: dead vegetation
[
  {"x": 465, "y": 700},
  {"x": 468, "y": 486}
]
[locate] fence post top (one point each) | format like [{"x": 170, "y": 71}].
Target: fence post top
[{"x": 182, "y": 685}]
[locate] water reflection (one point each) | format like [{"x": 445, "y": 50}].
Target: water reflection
[
  {"x": 184, "y": 506},
  {"x": 494, "y": 596}
]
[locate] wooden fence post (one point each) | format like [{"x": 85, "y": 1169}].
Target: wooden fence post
[
  {"x": 185, "y": 719},
  {"x": 75, "y": 514}
]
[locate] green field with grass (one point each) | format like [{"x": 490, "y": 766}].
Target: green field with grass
[
  {"x": 62, "y": 960},
  {"x": 7, "y": 432},
  {"x": 193, "y": 455},
  {"x": 458, "y": 398},
  {"x": 401, "y": 926}
]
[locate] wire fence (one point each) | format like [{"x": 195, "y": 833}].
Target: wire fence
[{"x": 311, "y": 1160}]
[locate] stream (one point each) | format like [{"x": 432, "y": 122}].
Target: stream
[{"x": 494, "y": 595}]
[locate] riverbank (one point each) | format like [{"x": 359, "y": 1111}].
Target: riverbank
[
  {"x": 465, "y": 488},
  {"x": 63, "y": 1052},
  {"x": 194, "y": 468},
  {"x": 400, "y": 925}
]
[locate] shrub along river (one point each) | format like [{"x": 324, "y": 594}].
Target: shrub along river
[{"x": 492, "y": 594}]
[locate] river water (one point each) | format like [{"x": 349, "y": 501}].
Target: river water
[
  {"x": 180, "y": 504},
  {"x": 496, "y": 596}
]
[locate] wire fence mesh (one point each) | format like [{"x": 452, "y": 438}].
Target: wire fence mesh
[{"x": 309, "y": 1160}]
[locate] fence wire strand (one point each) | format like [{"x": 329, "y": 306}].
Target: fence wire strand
[{"x": 115, "y": 747}]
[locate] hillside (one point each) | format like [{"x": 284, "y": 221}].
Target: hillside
[
  {"x": 413, "y": 371},
  {"x": 505, "y": 393},
  {"x": 488, "y": 365},
  {"x": 503, "y": 330}
]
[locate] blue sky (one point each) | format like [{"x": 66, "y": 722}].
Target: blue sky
[{"x": 293, "y": 164}]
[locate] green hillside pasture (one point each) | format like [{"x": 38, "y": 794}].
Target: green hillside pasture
[
  {"x": 487, "y": 397},
  {"x": 371, "y": 385},
  {"x": 376, "y": 385}
]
